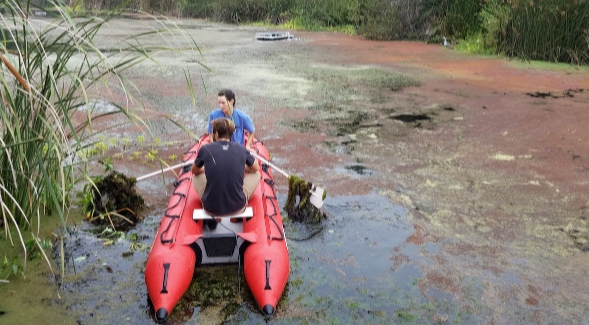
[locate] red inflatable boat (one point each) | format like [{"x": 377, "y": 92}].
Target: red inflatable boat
[{"x": 182, "y": 242}]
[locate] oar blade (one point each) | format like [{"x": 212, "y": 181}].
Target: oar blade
[{"x": 316, "y": 198}]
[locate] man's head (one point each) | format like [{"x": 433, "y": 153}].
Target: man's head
[
  {"x": 223, "y": 128},
  {"x": 226, "y": 97}
]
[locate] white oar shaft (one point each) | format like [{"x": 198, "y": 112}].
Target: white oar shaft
[
  {"x": 165, "y": 170},
  {"x": 270, "y": 164}
]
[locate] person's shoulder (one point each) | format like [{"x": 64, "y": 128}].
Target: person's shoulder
[
  {"x": 238, "y": 146},
  {"x": 216, "y": 112},
  {"x": 240, "y": 112},
  {"x": 211, "y": 144}
]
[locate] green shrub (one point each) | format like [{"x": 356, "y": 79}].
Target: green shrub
[
  {"x": 327, "y": 13},
  {"x": 494, "y": 17},
  {"x": 199, "y": 9},
  {"x": 462, "y": 18},
  {"x": 548, "y": 30},
  {"x": 241, "y": 11},
  {"x": 475, "y": 44},
  {"x": 378, "y": 20}
]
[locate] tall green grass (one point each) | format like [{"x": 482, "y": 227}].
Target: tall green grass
[
  {"x": 378, "y": 21},
  {"x": 548, "y": 30},
  {"x": 236, "y": 12},
  {"x": 48, "y": 114},
  {"x": 461, "y": 17}
]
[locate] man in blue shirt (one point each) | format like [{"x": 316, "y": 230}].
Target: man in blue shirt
[{"x": 242, "y": 122}]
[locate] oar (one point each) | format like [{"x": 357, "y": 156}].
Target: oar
[
  {"x": 316, "y": 192},
  {"x": 165, "y": 170}
]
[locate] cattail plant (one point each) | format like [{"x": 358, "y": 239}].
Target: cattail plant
[
  {"x": 48, "y": 108},
  {"x": 548, "y": 30}
]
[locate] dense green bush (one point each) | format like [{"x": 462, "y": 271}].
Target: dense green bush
[
  {"x": 378, "y": 20},
  {"x": 327, "y": 13},
  {"x": 237, "y": 11},
  {"x": 494, "y": 17},
  {"x": 199, "y": 9},
  {"x": 166, "y": 7},
  {"x": 462, "y": 17},
  {"x": 548, "y": 30}
]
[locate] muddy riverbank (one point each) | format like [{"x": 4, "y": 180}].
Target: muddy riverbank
[{"x": 481, "y": 161}]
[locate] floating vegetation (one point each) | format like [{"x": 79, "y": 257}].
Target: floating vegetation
[
  {"x": 112, "y": 201},
  {"x": 410, "y": 118},
  {"x": 305, "y": 125},
  {"x": 211, "y": 287},
  {"x": 569, "y": 93},
  {"x": 298, "y": 205},
  {"x": 359, "y": 169}
]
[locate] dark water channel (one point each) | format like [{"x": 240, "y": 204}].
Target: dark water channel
[{"x": 342, "y": 272}]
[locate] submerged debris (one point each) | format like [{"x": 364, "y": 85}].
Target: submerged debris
[
  {"x": 113, "y": 201},
  {"x": 298, "y": 205}
]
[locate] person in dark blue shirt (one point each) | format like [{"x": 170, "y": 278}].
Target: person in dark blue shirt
[
  {"x": 226, "y": 100},
  {"x": 219, "y": 171}
]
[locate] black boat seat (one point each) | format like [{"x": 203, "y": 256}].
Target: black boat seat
[{"x": 200, "y": 214}]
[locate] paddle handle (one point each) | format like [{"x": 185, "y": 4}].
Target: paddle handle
[
  {"x": 192, "y": 162},
  {"x": 165, "y": 170},
  {"x": 270, "y": 164}
]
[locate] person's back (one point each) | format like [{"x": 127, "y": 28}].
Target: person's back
[
  {"x": 219, "y": 172},
  {"x": 224, "y": 163}
]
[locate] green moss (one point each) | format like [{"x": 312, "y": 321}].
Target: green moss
[
  {"x": 115, "y": 202},
  {"x": 303, "y": 211}
]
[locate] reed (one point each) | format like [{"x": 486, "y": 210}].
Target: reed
[
  {"x": 461, "y": 18},
  {"x": 548, "y": 30},
  {"x": 377, "y": 20},
  {"x": 48, "y": 113},
  {"x": 236, "y": 12}
]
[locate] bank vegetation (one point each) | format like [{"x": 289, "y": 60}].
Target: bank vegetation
[
  {"x": 546, "y": 30},
  {"x": 52, "y": 117}
]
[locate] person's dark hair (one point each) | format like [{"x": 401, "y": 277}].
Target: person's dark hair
[
  {"x": 228, "y": 94},
  {"x": 224, "y": 127}
]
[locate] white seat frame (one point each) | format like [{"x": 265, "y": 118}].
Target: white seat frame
[{"x": 200, "y": 214}]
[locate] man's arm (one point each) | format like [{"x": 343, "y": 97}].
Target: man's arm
[
  {"x": 197, "y": 170},
  {"x": 250, "y": 139},
  {"x": 253, "y": 168},
  {"x": 248, "y": 126}
]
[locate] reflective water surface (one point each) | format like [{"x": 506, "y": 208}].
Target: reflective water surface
[{"x": 358, "y": 267}]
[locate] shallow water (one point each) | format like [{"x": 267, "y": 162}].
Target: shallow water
[{"x": 342, "y": 272}]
